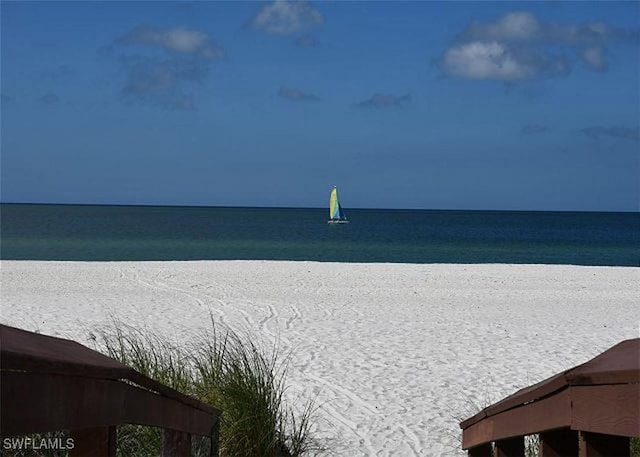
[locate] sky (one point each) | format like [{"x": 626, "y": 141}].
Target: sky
[{"x": 421, "y": 104}]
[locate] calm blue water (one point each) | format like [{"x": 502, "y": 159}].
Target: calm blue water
[{"x": 70, "y": 232}]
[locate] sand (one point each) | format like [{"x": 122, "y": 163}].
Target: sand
[{"x": 395, "y": 354}]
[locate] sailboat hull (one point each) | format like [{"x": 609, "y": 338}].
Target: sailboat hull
[{"x": 338, "y": 222}]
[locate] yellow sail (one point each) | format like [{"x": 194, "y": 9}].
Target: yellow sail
[
  {"x": 336, "y": 214},
  {"x": 333, "y": 204}
]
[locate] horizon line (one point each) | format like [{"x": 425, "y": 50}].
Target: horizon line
[{"x": 156, "y": 205}]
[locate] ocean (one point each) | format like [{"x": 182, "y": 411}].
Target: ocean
[{"x": 116, "y": 233}]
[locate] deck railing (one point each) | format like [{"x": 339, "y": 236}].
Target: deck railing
[
  {"x": 591, "y": 410},
  {"x": 51, "y": 384}
]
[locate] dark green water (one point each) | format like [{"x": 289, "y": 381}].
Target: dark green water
[{"x": 76, "y": 232}]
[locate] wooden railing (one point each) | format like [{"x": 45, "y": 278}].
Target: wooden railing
[
  {"x": 591, "y": 410},
  {"x": 51, "y": 384}
]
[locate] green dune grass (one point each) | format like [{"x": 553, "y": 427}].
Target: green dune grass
[{"x": 223, "y": 369}]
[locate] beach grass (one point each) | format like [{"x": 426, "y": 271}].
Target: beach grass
[{"x": 223, "y": 369}]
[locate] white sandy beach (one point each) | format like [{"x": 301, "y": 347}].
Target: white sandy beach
[{"x": 397, "y": 354}]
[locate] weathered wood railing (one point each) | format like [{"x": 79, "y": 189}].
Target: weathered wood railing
[
  {"x": 591, "y": 410},
  {"x": 51, "y": 384}
]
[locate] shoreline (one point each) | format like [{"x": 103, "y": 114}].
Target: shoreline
[
  {"x": 319, "y": 262},
  {"x": 396, "y": 354}
]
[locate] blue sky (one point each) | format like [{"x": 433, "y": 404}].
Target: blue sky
[{"x": 442, "y": 105}]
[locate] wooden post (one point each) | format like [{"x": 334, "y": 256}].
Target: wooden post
[
  {"x": 599, "y": 445},
  {"x": 484, "y": 450},
  {"x": 96, "y": 442},
  {"x": 559, "y": 443},
  {"x": 510, "y": 447},
  {"x": 175, "y": 444},
  {"x": 215, "y": 440}
]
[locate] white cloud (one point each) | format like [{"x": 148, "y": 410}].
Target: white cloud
[
  {"x": 478, "y": 60},
  {"x": 517, "y": 46},
  {"x": 585, "y": 34},
  {"x": 493, "y": 60},
  {"x": 161, "y": 82},
  {"x": 284, "y": 17},
  {"x": 182, "y": 40},
  {"x": 524, "y": 26},
  {"x": 512, "y": 26},
  {"x": 594, "y": 57},
  {"x": 178, "y": 40},
  {"x": 166, "y": 80}
]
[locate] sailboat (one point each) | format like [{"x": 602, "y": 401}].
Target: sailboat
[{"x": 336, "y": 214}]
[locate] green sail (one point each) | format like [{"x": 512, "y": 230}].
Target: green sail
[
  {"x": 333, "y": 204},
  {"x": 335, "y": 210}
]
